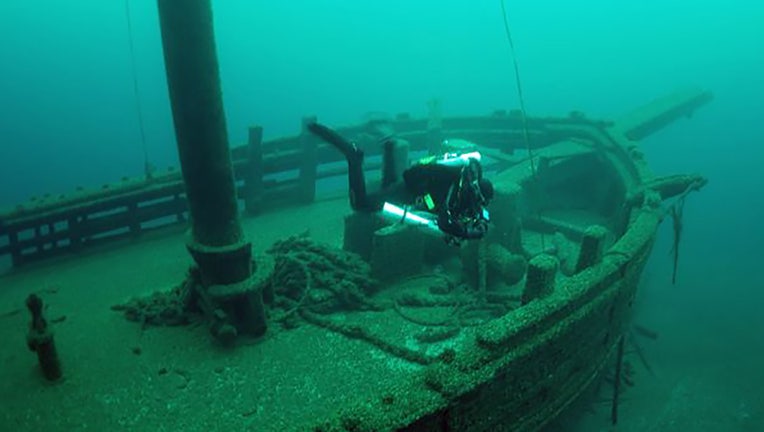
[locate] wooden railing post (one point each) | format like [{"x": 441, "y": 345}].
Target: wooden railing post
[
  {"x": 75, "y": 238},
  {"x": 540, "y": 279},
  {"x": 434, "y": 127},
  {"x": 591, "y": 247},
  {"x": 308, "y": 163},
  {"x": 13, "y": 243},
  {"x": 132, "y": 214},
  {"x": 253, "y": 174}
]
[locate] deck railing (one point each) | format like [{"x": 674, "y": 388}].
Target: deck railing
[{"x": 267, "y": 173}]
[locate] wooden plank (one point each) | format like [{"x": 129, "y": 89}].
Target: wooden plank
[
  {"x": 123, "y": 219},
  {"x": 521, "y": 171},
  {"x": 52, "y": 214},
  {"x": 656, "y": 115},
  {"x": 53, "y": 203},
  {"x": 85, "y": 211}
]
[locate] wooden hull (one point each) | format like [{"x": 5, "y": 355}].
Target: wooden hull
[{"x": 513, "y": 373}]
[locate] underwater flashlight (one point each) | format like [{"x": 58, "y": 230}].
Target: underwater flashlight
[{"x": 393, "y": 213}]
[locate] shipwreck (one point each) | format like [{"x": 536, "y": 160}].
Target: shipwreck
[{"x": 389, "y": 328}]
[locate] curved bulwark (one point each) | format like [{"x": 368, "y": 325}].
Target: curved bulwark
[{"x": 521, "y": 370}]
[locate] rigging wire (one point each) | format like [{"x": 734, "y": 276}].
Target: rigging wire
[
  {"x": 523, "y": 116},
  {"x": 147, "y": 169}
]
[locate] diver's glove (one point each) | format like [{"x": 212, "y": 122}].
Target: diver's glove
[{"x": 462, "y": 228}]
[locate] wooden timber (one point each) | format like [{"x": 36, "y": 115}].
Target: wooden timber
[
  {"x": 512, "y": 373},
  {"x": 264, "y": 171},
  {"x": 268, "y": 173}
]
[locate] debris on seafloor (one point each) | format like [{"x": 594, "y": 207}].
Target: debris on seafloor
[{"x": 167, "y": 308}]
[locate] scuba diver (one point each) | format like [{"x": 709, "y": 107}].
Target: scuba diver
[{"x": 447, "y": 195}]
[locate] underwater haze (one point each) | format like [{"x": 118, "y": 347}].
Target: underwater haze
[{"x": 70, "y": 117}]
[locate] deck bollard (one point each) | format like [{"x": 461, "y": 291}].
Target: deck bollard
[
  {"x": 40, "y": 340},
  {"x": 591, "y": 247},
  {"x": 540, "y": 279}
]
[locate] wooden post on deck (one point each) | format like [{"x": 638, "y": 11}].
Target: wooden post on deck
[
  {"x": 434, "y": 127},
  {"x": 51, "y": 233},
  {"x": 395, "y": 160},
  {"x": 308, "y": 162},
  {"x": 135, "y": 223},
  {"x": 540, "y": 279},
  {"x": 591, "y": 247},
  {"x": 37, "y": 234},
  {"x": 253, "y": 175},
  {"x": 359, "y": 233},
  {"x": 75, "y": 238},
  {"x": 397, "y": 250},
  {"x": 13, "y": 242},
  {"x": 505, "y": 214},
  {"x": 181, "y": 206}
]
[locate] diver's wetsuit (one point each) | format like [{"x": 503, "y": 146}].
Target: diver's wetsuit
[
  {"x": 457, "y": 195},
  {"x": 453, "y": 192}
]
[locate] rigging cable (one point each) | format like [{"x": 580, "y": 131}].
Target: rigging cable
[
  {"x": 523, "y": 116},
  {"x": 147, "y": 169}
]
